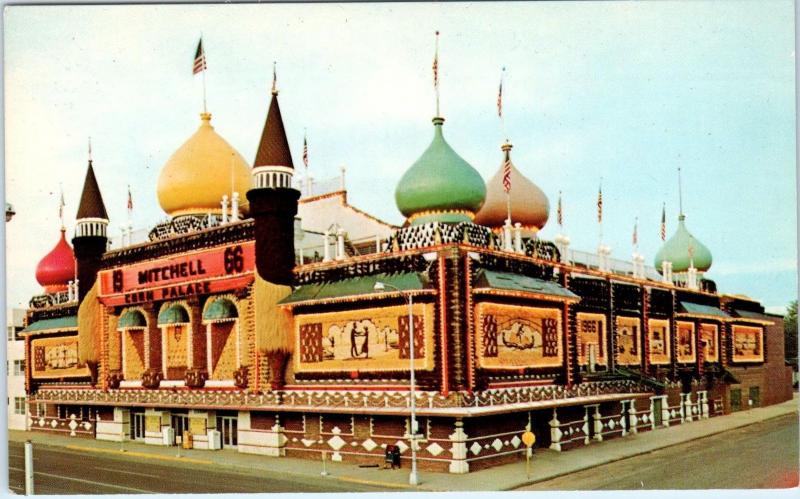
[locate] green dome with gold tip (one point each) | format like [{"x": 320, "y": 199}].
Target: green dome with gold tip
[
  {"x": 440, "y": 186},
  {"x": 678, "y": 249}
]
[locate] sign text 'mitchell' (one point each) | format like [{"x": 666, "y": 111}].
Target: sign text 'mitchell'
[{"x": 167, "y": 272}]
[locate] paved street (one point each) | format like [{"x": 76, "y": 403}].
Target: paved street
[
  {"x": 67, "y": 471},
  {"x": 763, "y": 455}
]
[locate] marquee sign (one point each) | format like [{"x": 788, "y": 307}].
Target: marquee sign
[{"x": 201, "y": 272}]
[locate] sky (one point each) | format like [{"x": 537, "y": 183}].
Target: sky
[{"x": 627, "y": 92}]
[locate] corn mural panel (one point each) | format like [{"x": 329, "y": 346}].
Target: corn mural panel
[
  {"x": 56, "y": 358},
  {"x": 591, "y": 331},
  {"x": 629, "y": 341},
  {"x": 660, "y": 346},
  {"x": 509, "y": 336},
  {"x": 369, "y": 339},
  {"x": 748, "y": 344},
  {"x": 686, "y": 350},
  {"x": 709, "y": 341}
]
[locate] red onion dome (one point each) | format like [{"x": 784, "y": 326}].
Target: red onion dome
[{"x": 57, "y": 268}]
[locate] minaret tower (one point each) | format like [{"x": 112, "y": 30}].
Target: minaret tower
[
  {"x": 273, "y": 201},
  {"x": 90, "y": 232}
]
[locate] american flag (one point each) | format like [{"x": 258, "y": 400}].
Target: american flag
[
  {"x": 61, "y": 205},
  {"x": 500, "y": 99},
  {"x": 600, "y": 205},
  {"x": 663, "y": 222},
  {"x": 636, "y": 232},
  {"x": 559, "y": 212},
  {"x": 507, "y": 175},
  {"x": 305, "y": 151},
  {"x": 436, "y": 63},
  {"x": 199, "y": 59},
  {"x": 130, "y": 199}
]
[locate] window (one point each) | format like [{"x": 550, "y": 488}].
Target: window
[
  {"x": 19, "y": 405},
  {"x": 755, "y": 396},
  {"x": 19, "y": 367},
  {"x": 736, "y": 399},
  {"x": 11, "y": 334}
]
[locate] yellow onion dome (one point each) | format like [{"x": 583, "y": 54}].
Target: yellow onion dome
[
  {"x": 200, "y": 172},
  {"x": 529, "y": 204}
]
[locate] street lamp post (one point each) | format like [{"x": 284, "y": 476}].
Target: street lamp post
[{"x": 413, "y": 478}]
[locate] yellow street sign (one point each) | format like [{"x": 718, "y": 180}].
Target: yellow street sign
[{"x": 528, "y": 438}]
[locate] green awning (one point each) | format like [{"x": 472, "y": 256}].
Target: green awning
[
  {"x": 749, "y": 315},
  {"x": 355, "y": 286},
  {"x": 131, "y": 318},
  {"x": 698, "y": 309},
  {"x": 175, "y": 314},
  {"x": 220, "y": 309},
  {"x": 516, "y": 282},
  {"x": 57, "y": 324}
]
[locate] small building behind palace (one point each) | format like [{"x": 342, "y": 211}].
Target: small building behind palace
[{"x": 258, "y": 319}]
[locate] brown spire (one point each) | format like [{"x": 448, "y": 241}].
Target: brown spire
[
  {"x": 91, "y": 205},
  {"x": 273, "y": 150}
]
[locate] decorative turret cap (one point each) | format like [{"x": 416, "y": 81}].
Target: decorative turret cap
[
  {"x": 440, "y": 186},
  {"x": 683, "y": 250},
  {"x": 91, "y": 204},
  {"x": 57, "y": 268},
  {"x": 529, "y": 204},
  {"x": 205, "y": 168},
  {"x": 273, "y": 148}
]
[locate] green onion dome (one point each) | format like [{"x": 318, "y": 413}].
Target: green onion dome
[
  {"x": 683, "y": 248},
  {"x": 440, "y": 185}
]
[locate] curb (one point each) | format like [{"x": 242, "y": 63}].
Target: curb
[{"x": 643, "y": 452}]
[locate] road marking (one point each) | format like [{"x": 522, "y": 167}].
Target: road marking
[
  {"x": 127, "y": 472},
  {"x": 140, "y": 454},
  {"x": 80, "y": 480},
  {"x": 373, "y": 482}
]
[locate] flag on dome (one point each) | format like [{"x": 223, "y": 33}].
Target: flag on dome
[
  {"x": 130, "y": 199},
  {"x": 507, "y": 175},
  {"x": 436, "y": 63},
  {"x": 199, "y": 59},
  {"x": 636, "y": 232},
  {"x": 500, "y": 98},
  {"x": 663, "y": 222},
  {"x": 61, "y": 205},
  {"x": 305, "y": 151},
  {"x": 559, "y": 212},
  {"x": 600, "y": 204}
]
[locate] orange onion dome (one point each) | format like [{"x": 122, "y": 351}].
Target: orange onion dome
[
  {"x": 529, "y": 204},
  {"x": 57, "y": 268}
]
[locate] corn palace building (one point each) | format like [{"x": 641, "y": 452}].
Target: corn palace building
[{"x": 223, "y": 331}]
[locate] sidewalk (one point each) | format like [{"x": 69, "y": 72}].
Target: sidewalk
[{"x": 545, "y": 465}]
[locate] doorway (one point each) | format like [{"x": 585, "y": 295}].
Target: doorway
[
  {"x": 657, "y": 411},
  {"x": 137, "y": 425},
  {"x": 227, "y": 426},
  {"x": 179, "y": 423}
]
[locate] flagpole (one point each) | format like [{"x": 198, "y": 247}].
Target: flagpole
[
  {"x": 500, "y": 104},
  {"x": 600, "y": 209},
  {"x": 436, "y": 73},
  {"x": 680, "y": 192},
  {"x": 205, "y": 110}
]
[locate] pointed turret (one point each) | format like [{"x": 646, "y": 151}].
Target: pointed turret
[
  {"x": 273, "y": 201},
  {"x": 273, "y": 167},
  {"x": 91, "y": 205},
  {"x": 90, "y": 232}
]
